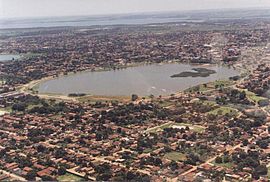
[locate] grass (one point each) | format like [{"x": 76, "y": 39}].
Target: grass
[
  {"x": 253, "y": 97},
  {"x": 268, "y": 173},
  {"x": 148, "y": 150},
  {"x": 210, "y": 86},
  {"x": 52, "y": 94},
  {"x": 224, "y": 111},
  {"x": 156, "y": 129},
  {"x": 228, "y": 165},
  {"x": 209, "y": 103},
  {"x": 194, "y": 128},
  {"x": 175, "y": 156},
  {"x": 93, "y": 99},
  {"x": 165, "y": 103},
  {"x": 69, "y": 177},
  {"x": 35, "y": 87},
  {"x": 31, "y": 106},
  {"x": 2, "y": 112}
]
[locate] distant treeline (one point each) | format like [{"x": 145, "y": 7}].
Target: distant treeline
[{"x": 76, "y": 94}]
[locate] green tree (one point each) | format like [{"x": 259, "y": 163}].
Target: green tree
[
  {"x": 218, "y": 160},
  {"x": 134, "y": 97},
  {"x": 31, "y": 176},
  {"x": 62, "y": 170}
]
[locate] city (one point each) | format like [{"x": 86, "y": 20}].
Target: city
[{"x": 215, "y": 131}]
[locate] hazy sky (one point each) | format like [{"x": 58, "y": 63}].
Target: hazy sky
[{"x": 37, "y": 8}]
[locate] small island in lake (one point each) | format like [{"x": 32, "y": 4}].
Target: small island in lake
[{"x": 198, "y": 72}]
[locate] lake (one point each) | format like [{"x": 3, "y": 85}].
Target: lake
[
  {"x": 142, "y": 80},
  {"x": 8, "y": 57}
]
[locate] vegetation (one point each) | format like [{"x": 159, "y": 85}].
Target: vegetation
[
  {"x": 223, "y": 161},
  {"x": 76, "y": 94},
  {"x": 199, "y": 72},
  {"x": 218, "y": 84},
  {"x": 134, "y": 97},
  {"x": 223, "y": 111},
  {"x": 176, "y": 156},
  {"x": 69, "y": 177},
  {"x": 268, "y": 173},
  {"x": 252, "y": 96},
  {"x": 96, "y": 98},
  {"x": 195, "y": 128}
]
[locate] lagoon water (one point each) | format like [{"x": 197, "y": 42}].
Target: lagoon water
[
  {"x": 8, "y": 57},
  {"x": 142, "y": 80}
]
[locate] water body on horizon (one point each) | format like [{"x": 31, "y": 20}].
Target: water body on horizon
[
  {"x": 135, "y": 19},
  {"x": 88, "y": 21},
  {"x": 142, "y": 80}
]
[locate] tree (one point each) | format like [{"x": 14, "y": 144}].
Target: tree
[
  {"x": 261, "y": 170},
  {"x": 151, "y": 96},
  {"x": 31, "y": 176},
  {"x": 158, "y": 162},
  {"x": 47, "y": 178},
  {"x": 173, "y": 166},
  {"x": 218, "y": 160},
  {"x": 245, "y": 142},
  {"x": 134, "y": 97},
  {"x": 242, "y": 95},
  {"x": 105, "y": 176},
  {"x": 41, "y": 148},
  {"x": 62, "y": 170},
  {"x": 19, "y": 107},
  {"x": 226, "y": 158},
  {"x": 192, "y": 159},
  {"x": 263, "y": 144}
]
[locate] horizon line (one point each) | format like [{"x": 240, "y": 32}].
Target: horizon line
[{"x": 136, "y": 13}]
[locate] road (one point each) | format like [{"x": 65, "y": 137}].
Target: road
[
  {"x": 13, "y": 176},
  {"x": 159, "y": 126}
]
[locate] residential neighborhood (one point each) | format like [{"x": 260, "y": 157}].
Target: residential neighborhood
[{"x": 215, "y": 131}]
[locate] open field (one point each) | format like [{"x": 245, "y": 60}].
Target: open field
[
  {"x": 210, "y": 86},
  {"x": 69, "y": 177},
  {"x": 165, "y": 103},
  {"x": 253, "y": 97},
  {"x": 159, "y": 128},
  {"x": 175, "y": 156},
  {"x": 223, "y": 111},
  {"x": 226, "y": 165},
  {"x": 96, "y": 98},
  {"x": 148, "y": 150},
  {"x": 195, "y": 128}
]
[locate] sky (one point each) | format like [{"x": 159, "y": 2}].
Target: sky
[{"x": 44, "y": 8}]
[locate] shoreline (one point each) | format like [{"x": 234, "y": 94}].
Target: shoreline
[{"x": 31, "y": 86}]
